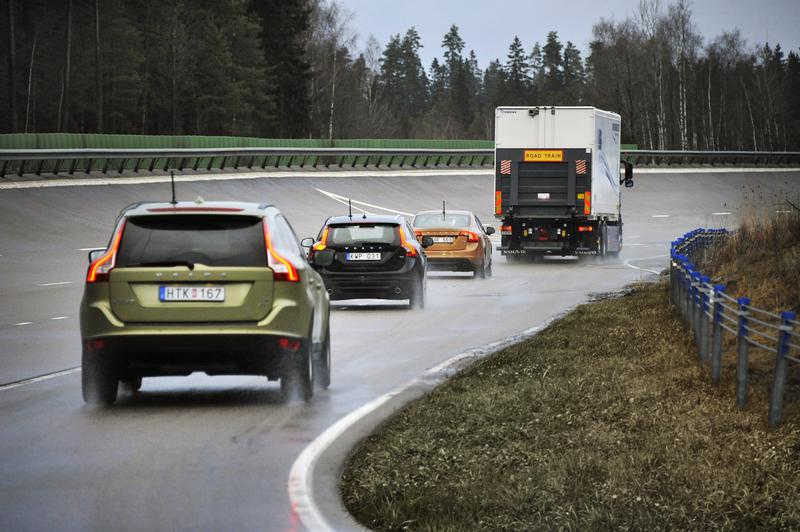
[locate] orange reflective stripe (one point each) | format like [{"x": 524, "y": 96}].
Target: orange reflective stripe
[
  {"x": 498, "y": 202},
  {"x": 587, "y": 203}
]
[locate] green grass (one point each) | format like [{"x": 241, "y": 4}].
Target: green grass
[{"x": 604, "y": 420}]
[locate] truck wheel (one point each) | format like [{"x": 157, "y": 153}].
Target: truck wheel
[
  {"x": 297, "y": 374},
  {"x": 601, "y": 237},
  {"x": 322, "y": 363},
  {"x": 99, "y": 380}
]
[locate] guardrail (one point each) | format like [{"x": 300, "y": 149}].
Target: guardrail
[
  {"x": 105, "y": 160},
  {"x": 711, "y": 313},
  {"x": 163, "y": 159}
]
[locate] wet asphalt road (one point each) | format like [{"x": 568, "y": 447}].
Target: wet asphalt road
[{"x": 202, "y": 453}]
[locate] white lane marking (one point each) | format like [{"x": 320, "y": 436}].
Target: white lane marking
[
  {"x": 345, "y": 198},
  {"x": 782, "y": 212},
  {"x": 299, "y": 485},
  {"x": 660, "y": 216},
  {"x": 24, "y": 323},
  {"x": 47, "y": 377},
  {"x": 720, "y": 213},
  {"x": 189, "y": 178},
  {"x": 60, "y": 318},
  {"x": 634, "y": 244},
  {"x": 340, "y": 200},
  {"x": 90, "y": 249},
  {"x": 629, "y": 261},
  {"x": 55, "y": 284},
  {"x": 633, "y": 236}
]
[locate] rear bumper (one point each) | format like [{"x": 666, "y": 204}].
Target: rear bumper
[
  {"x": 464, "y": 260},
  {"x": 215, "y": 354},
  {"x": 370, "y": 285}
]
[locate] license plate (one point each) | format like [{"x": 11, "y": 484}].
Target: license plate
[
  {"x": 363, "y": 256},
  {"x": 443, "y": 239},
  {"x": 191, "y": 293}
]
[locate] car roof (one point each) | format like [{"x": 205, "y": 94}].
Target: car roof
[
  {"x": 448, "y": 211},
  {"x": 149, "y": 208},
  {"x": 366, "y": 218}
]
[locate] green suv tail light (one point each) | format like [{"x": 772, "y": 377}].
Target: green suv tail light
[
  {"x": 283, "y": 270},
  {"x": 100, "y": 268}
]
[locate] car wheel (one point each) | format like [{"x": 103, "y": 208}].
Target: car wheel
[
  {"x": 99, "y": 381},
  {"x": 132, "y": 384},
  {"x": 417, "y": 299},
  {"x": 489, "y": 269},
  {"x": 297, "y": 375},
  {"x": 480, "y": 271},
  {"x": 322, "y": 363}
]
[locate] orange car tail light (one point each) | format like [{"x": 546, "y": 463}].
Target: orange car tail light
[{"x": 471, "y": 236}]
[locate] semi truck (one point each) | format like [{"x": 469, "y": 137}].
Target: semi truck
[{"x": 557, "y": 181}]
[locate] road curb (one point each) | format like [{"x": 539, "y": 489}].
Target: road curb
[{"x": 314, "y": 478}]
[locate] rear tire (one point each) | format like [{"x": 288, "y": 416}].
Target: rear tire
[
  {"x": 489, "y": 269},
  {"x": 417, "y": 299},
  {"x": 132, "y": 384},
  {"x": 481, "y": 271},
  {"x": 99, "y": 381},
  {"x": 296, "y": 379},
  {"x": 322, "y": 363}
]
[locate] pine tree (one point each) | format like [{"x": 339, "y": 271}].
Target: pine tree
[
  {"x": 517, "y": 74},
  {"x": 574, "y": 76},
  {"x": 553, "y": 68}
]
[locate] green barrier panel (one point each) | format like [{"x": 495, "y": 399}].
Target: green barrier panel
[{"x": 20, "y": 141}]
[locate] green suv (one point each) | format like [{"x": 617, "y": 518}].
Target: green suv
[{"x": 218, "y": 287}]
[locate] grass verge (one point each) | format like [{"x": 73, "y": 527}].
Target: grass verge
[{"x": 603, "y": 420}]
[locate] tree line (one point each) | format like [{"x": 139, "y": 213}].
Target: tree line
[{"x": 292, "y": 69}]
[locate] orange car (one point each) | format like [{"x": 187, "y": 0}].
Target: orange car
[{"x": 460, "y": 242}]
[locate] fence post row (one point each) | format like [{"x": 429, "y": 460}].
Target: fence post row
[{"x": 701, "y": 306}]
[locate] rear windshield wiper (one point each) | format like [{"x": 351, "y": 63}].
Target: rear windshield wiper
[{"x": 165, "y": 263}]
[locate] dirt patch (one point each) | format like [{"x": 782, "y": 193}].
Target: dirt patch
[{"x": 603, "y": 420}]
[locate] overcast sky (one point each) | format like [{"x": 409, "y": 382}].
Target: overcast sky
[{"x": 488, "y": 26}]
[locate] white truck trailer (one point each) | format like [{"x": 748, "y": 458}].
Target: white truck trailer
[{"x": 557, "y": 181}]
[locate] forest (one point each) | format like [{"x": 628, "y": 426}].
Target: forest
[{"x": 296, "y": 69}]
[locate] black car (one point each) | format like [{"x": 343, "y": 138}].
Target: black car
[{"x": 370, "y": 256}]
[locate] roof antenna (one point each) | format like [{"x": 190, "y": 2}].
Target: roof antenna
[
  {"x": 350, "y": 208},
  {"x": 172, "y": 180},
  {"x": 443, "y": 210}
]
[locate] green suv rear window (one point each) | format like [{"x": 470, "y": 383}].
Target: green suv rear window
[{"x": 213, "y": 240}]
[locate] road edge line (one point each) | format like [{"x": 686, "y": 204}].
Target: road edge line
[{"x": 301, "y": 482}]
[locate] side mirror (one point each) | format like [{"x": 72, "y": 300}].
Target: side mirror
[
  {"x": 95, "y": 254},
  {"x": 628, "y": 181},
  {"x": 324, "y": 258},
  {"x": 307, "y": 242},
  {"x": 427, "y": 241},
  {"x": 489, "y": 230}
]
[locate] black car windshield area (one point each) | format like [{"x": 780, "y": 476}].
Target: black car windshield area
[
  {"x": 357, "y": 235},
  {"x": 439, "y": 220},
  {"x": 175, "y": 240}
]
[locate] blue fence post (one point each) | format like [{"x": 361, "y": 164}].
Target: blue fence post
[
  {"x": 703, "y": 325},
  {"x": 779, "y": 378},
  {"x": 716, "y": 349},
  {"x": 742, "y": 363}
]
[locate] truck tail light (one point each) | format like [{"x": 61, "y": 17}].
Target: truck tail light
[
  {"x": 498, "y": 202},
  {"x": 471, "y": 237},
  {"x": 505, "y": 229},
  {"x": 544, "y": 234},
  {"x": 587, "y": 202},
  {"x": 282, "y": 269},
  {"x": 410, "y": 250},
  {"x": 100, "y": 268},
  {"x": 585, "y": 229}
]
